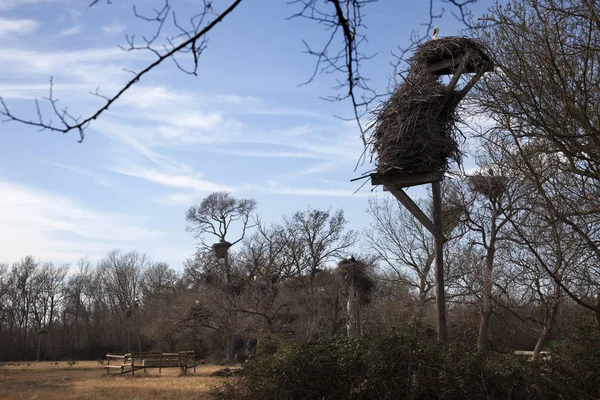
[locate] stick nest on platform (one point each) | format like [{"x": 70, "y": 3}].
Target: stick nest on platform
[
  {"x": 415, "y": 130},
  {"x": 356, "y": 273}
]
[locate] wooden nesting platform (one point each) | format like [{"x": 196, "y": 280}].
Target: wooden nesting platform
[
  {"x": 475, "y": 62},
  {"x": 405, "y": 180}
]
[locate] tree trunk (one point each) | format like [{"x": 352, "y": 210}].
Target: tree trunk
[
  {"x": 549, "y": 319},
  {"x": 39, "y": 346},
  {"x": 351, "y": 311},
  {"x": 438, "y": 245},
  {"x": 230, "y": 347},
  {"x": 357, "y": 321},
  {"x": 486, "y": 303}
]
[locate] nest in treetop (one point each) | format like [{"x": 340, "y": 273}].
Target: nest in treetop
[
  {"x": 491, "y": 187},
  {"x": 451, "y": 215},
  {"x": 356, "y": 273},
  {"x": 220, "y": 249},
  {"x": 414, "y": 131}
]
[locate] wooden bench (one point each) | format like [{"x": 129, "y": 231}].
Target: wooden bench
[{"x": 131, "y": 362}]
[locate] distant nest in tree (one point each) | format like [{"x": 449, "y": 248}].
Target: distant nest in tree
[
  {"x": 414, "y": 131},
  {"x": 451, "y": 214},
  {"x": 356, "y": 273},
  {"x": 491, "y": 187},
  {"x": 220, "y": 249}
]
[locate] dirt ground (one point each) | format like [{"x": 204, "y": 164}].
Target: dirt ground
[{"x": 88, "y": 380}]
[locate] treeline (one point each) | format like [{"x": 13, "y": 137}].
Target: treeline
[{"x": 286, "y": 279}]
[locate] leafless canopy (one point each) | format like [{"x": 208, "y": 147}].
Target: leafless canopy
[{"x": 215, "y": 216}]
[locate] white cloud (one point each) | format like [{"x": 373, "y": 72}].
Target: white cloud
[
  {"x": 55, "y": 227},
  {"x": 74, "y": 30},
  {"x": 10, "y": 4},
  {"x": 189, "y": 186},
  {"x": 114, "y": 29},
  {"x": 17, "y": 27},
  {"x": 97, "y": 178}
]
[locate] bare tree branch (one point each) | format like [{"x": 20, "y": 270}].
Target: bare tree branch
[{"x": 192, "y": 41}]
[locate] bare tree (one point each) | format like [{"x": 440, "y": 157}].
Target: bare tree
[
  {"x": 216, "y": 214},
  {"x": 403, "y": 245},
  {"x": 48, "y": 286},
  {"x": 314, "y": 238},
  {"x": 489, "y": 197},
  {"x": 122, "y": 279},
  {"x": 214, "y": 218},
  {"x": 542, "y": 101}
]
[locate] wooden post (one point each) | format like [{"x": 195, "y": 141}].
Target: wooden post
[
  {"x": 132, "y": 365},
  {"x": 438, "y": 244}
]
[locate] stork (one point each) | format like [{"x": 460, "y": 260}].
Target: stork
[{"x": 436, "y": 30}]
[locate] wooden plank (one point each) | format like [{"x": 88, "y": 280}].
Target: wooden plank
[
  {"x": 470, "y": 85},
  {"x": 407, "y": 180},
  {"x": 447, "y": 64},
  {"x": 458, "y": 72},
  {"x": 114, "y": 356},
  {"x": 438, "y": 247},
  {"x": 410, "y": 205}
]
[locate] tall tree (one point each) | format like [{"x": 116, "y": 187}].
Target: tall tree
[
  {"x": 543, "y": 107},
  {"x": 314, "y": 239},
  {"x": 218, "y": 216},
  {"x": 403, "y": 245},
  {"x": 122, "y": 279}
]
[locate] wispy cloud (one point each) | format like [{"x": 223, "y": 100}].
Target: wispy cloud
[
  {"x": 10, "y": 4},
  {"x": 98, "y": 178},
  {"x": 180, "y": 181},
  {"x": 186, "y": 185},
  {"x": 56, "y": 227},
  {"x": 74, "y": 30},
  {"x": 17, "y": 27},
  {"x": 114, "y": 29}
]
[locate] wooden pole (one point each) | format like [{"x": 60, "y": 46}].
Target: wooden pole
[{"x": 438, "y": 244}]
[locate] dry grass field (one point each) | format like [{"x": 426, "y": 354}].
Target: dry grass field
[{"x": 88, "y": 380}]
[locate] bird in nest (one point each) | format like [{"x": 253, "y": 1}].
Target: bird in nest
[{"x": 436, "y": 31}]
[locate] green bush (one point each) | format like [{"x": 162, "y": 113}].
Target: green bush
[{"x": 406, "y": 364}]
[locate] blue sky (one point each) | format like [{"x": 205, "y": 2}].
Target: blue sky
[{"x": 242, "y": 125}]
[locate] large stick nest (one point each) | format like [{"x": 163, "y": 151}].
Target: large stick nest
[
  {"x": 221, "y": 248},
  {"x": 415, "y": 131},
  {"x": 492, "y": 187},
  {"x": 356, "y": 273}
]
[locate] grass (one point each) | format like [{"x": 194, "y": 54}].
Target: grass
[{"x": 88, "y": 380}]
